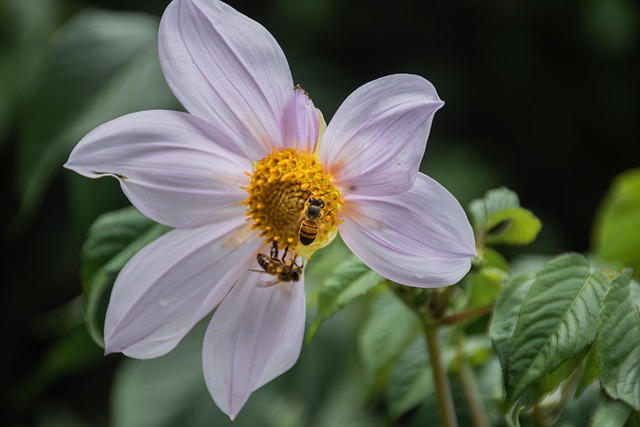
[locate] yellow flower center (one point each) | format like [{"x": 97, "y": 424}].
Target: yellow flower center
[{"x": 293, "y": 202}]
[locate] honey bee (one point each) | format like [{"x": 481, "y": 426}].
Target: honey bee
[
  {"x": 278, "y": 267},
  {"x": 311, "y": 216}
]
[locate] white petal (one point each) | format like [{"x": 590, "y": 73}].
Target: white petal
[
  {"x": 254, "y": 336},
  {"x": 172, "y": 283},
  {"x": 374, "y": 143},
  {"x": 174, "y": 167},
  {"x": 300, "y": 124},
  {"x": 419, "y": 238},
  {"x": 228, "y": 69}
]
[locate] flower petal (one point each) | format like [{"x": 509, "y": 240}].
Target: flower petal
[
  {"x": 228, "y": 69},
  {"x": 300, "y": 123},
  {"x": 174, "y": 167},
  {"x": 375, "y": 142},
  {"x": 172, "y": 283},
  {"x": 419, "y": 238},
  {"x": 254, "y": 336}
]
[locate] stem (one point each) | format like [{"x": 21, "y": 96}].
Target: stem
[
  {"x": 464, "y": 315},
  {"x": 443, "y": 390},
  {"x": 471, "y": 391},
  {"x": 442, "y": 301},
  {"x": 429, "y": 315}
]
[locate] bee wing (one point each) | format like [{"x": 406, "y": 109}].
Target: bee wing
[{"x": 268, "y": 284}]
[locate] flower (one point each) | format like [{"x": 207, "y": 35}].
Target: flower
[{"x": 253, "y": 182}]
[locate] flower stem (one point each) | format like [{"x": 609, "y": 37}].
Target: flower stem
[
  {"x": 465, "y": 315},
  {"x": 443, "y": 389},
  {"x": 430, "y": 315},
  {"x": 470, "y": 388}
]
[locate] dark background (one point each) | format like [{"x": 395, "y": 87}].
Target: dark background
[{"x": 541, "y": 97}]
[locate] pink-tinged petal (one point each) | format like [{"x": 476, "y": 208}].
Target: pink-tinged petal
[
  {"x": 172, "y": 283},
  {"x": 419, "y": 238},
  {"x": 300, "y": 123},
  {"x": 374, "y": 143},
  {"x": 174, "y": 167},
  {"x": 228, "y": 69},
  {"x": 254, "y": 336}
]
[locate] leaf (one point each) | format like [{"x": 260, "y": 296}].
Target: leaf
[
  {"x": 350, "y": 280},
  {"x": 513, "y": 227},
  {"x": 70, "y": 354},
  {"x": 411, "y": 380},
  {"x": 619, "y": 341},
  {"x": 493, "y": 258},
  {"x": 112, "y": 240},
  {"x": 485, "y": 286},
  {"x": 616, "y": 231},
  {"x": 499, "y": 217},
  {"x": 388, "y": 330},
  {"x": 589, "y": 371},
  {"x": 99, "y": 66},
  {"x": 167, "y": 391},
  {"x": 493, "y": 202},
  {"x": 557, "y": 321},
  {"x": 507, "y": 310},
  {"x": 25, "y": 26},
  {"x": 611, "y": 414}
]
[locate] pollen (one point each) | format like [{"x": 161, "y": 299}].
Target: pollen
[{"x": 283, "y": 186}]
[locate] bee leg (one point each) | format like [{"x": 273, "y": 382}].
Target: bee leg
[
  {"x": 274, "y": 250},
  {"x": 294, "y": 263},
  {"x": 284, "y": 255}
]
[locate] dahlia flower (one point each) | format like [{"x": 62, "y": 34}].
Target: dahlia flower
[{"x": 237, "y": 175}]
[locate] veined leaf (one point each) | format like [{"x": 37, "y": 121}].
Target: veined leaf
[
  {"x": 505, "y": 316},
  {"x": 612, "y": 414},
  {"x": 350, "y": 280},
  {"x": 485, "y": 286},
  {"x": 411, "y": 380},
  {"x": 499, "y": 217},
  {"x": 619, "y": 341},
  {"x": 513, "y": 227},
  {"x": 112, "y": 240},
  {"x": 99, "y": 66},
  {"x": 389, "y": 329},
  {"x": 616, "y": 233},
  {"x": 493, "y": 202},
  {"x": 557, "y": 321}
]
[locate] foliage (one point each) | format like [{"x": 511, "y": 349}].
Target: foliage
[{"x": 523, "y": 342}]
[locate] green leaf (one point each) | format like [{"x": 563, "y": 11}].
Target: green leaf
[
  {"x": 388, "y": 330},
  {"x": 112, "y": 240},
  {"x": 589, "y": 371},
  {"x": 513, "y": 227},
  {"x": 99, "y": 66},
  {"x": 485, "y": 286},
  {"x": 557, "y": 321},
  {"x": 499, "y": 217},
  {"x": 25, "y": 27},
  {"x": 411, "y": 380},
  {"x": 493, "y": 202},
  {"x": 619, "y": 341},
  {"x": 493, "y": 258},
  {"x": 167, "y": 391},
  {"x": 507, "y": 310},
  {"x": 70, "y": 354},
  {"x": 350, "y": 280},
  {"x": 611, "y": 414},
  {"x": 616, "y": 231}
]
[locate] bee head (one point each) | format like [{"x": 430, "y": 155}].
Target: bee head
[
  {"x": 313, "y": 211},
  {"x": 313, "y": 201}
]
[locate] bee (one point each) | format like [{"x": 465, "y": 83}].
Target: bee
[
  {"x": 311, "y": 216},
  {"x": 278, "y": 267}
]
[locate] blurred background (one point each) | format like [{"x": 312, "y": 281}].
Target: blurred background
[{"x": 542, "y": 96}]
